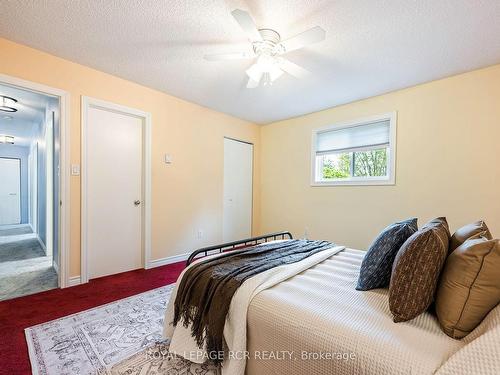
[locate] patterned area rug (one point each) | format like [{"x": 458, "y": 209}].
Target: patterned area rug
[{"x": 122, "y": 337}]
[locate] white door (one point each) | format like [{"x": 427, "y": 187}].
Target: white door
[
  {"x": 238, "y": 171},
  {"x": 10, "y": 191},
  {"x": 114, "y": 192}
]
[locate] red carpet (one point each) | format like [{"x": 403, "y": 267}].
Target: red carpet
[{"x": 20, "y": 313}]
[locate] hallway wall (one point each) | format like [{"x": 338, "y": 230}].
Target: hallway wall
[
  {"x": 19, "y": 152},
  {"x": 42, "y": 186}
]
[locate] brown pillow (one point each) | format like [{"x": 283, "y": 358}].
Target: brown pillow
[
  {"x": 468, "y": 231},
  {"x": 416, "y": 270},
  {"x": 469, "y": 287}
]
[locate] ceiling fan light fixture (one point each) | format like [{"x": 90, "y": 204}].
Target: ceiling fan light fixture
[
  {"x": 268, "y": 48},
  {"x": 254, "y": 72},
  {"x": 266, "y": 69},
  {"x": 266, "y": 62},
  {"x": 7, "y": 104}
]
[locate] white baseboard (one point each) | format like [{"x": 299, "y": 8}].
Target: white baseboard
[
  {"x": 167, "y": 260},
  {"x": 44, "y": 248},
  {"x": 74, "y": 280},
  {"x": 12, "y": 226}
]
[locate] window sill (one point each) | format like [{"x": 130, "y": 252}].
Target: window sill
[{"x": 354, "y": 183}]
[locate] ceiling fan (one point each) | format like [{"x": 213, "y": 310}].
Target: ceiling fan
[{"x": 268, "y": 48}]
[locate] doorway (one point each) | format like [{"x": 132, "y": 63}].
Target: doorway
[
  {"x": 238, "y": 190},
  {"x": 115, "y": 194},
  {"x": 29, "y": 261}
]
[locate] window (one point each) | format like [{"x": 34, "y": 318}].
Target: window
[{"x": 357, "y": 153}]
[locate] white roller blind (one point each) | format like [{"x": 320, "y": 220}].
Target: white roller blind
[{"x": 360, "y": 136}]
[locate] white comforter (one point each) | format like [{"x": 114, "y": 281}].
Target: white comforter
[
  {"x": 183, "y": 344},
  {"x": 313, "y": 307},
  {"x": 320, "y": 311}
]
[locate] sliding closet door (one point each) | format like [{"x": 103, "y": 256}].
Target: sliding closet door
[{"x": 238, "y": 172}]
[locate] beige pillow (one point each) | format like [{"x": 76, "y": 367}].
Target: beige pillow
[
  {"x": 469, "y": 287},
  {"x": 416, "y": 269},
  {"x": 468, "y": 231}
]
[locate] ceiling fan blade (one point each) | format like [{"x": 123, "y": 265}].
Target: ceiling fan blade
[
  {"x": 293, "y": 69},
  {"x": 314, "y": 35},
  {"x": 252, "y": 84},
  {"x": 246, "y": 22},
  {"x": 229, "y": 56}
]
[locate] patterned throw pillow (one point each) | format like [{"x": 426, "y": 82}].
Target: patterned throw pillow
[
  {"x": 416, "y": 270},
  {"x": 376, "y": 267}
]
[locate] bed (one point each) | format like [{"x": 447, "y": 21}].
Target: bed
[{"x": 314, "y": 321}]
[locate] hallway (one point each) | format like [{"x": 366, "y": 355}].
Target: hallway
[{"x": 24, "y": 268}]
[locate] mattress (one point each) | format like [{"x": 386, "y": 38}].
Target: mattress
[{"x": 317, "y": 323}]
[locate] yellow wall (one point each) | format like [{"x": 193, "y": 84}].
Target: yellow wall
[
  {"x": 448, "y": 160},
  {"x": 186, "y": 195},
  {"x": 448, "y": 163}
]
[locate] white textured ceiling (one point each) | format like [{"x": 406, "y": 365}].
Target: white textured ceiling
[
  {"x": 24, "y": 124},
  {"x": 371, "y": 47}
]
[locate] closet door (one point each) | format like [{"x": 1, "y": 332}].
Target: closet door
[{"x": 238, "y": 190}]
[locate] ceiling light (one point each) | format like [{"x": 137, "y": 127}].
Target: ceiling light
[
  {"x": 7, "y": 139},
  {"x": 266, "y": 69},
  {"x": 6, "y": 104},
  {"x": 268, "y": 48}
]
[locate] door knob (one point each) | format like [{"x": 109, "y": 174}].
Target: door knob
[{"x": 138, "y": 202}]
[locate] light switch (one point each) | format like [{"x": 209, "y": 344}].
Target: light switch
[
  {"x": 75, "y": 169},
  {"x": 168, "y": 159},
  {"x": 199, "y": 234}
]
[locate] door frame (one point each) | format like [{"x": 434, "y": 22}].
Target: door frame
[
  {"x": 87, "y": 103},
  {"x": 20, "y": 188},
  {"x": 33, "y": 187},
  {"x": 253, "y": 180},
  {"x": 64, "y": 176}
]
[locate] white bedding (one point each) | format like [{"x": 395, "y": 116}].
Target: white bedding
[
  {"x": 183, "y": 344},
  {"x": 313, "y": 307},
  {"x": 319, "y": 311}
]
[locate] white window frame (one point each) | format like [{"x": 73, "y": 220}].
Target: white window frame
[{"x": 390, "y": 179}]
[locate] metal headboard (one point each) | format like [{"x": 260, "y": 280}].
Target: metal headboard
[{"x": 238, "y": 244}]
